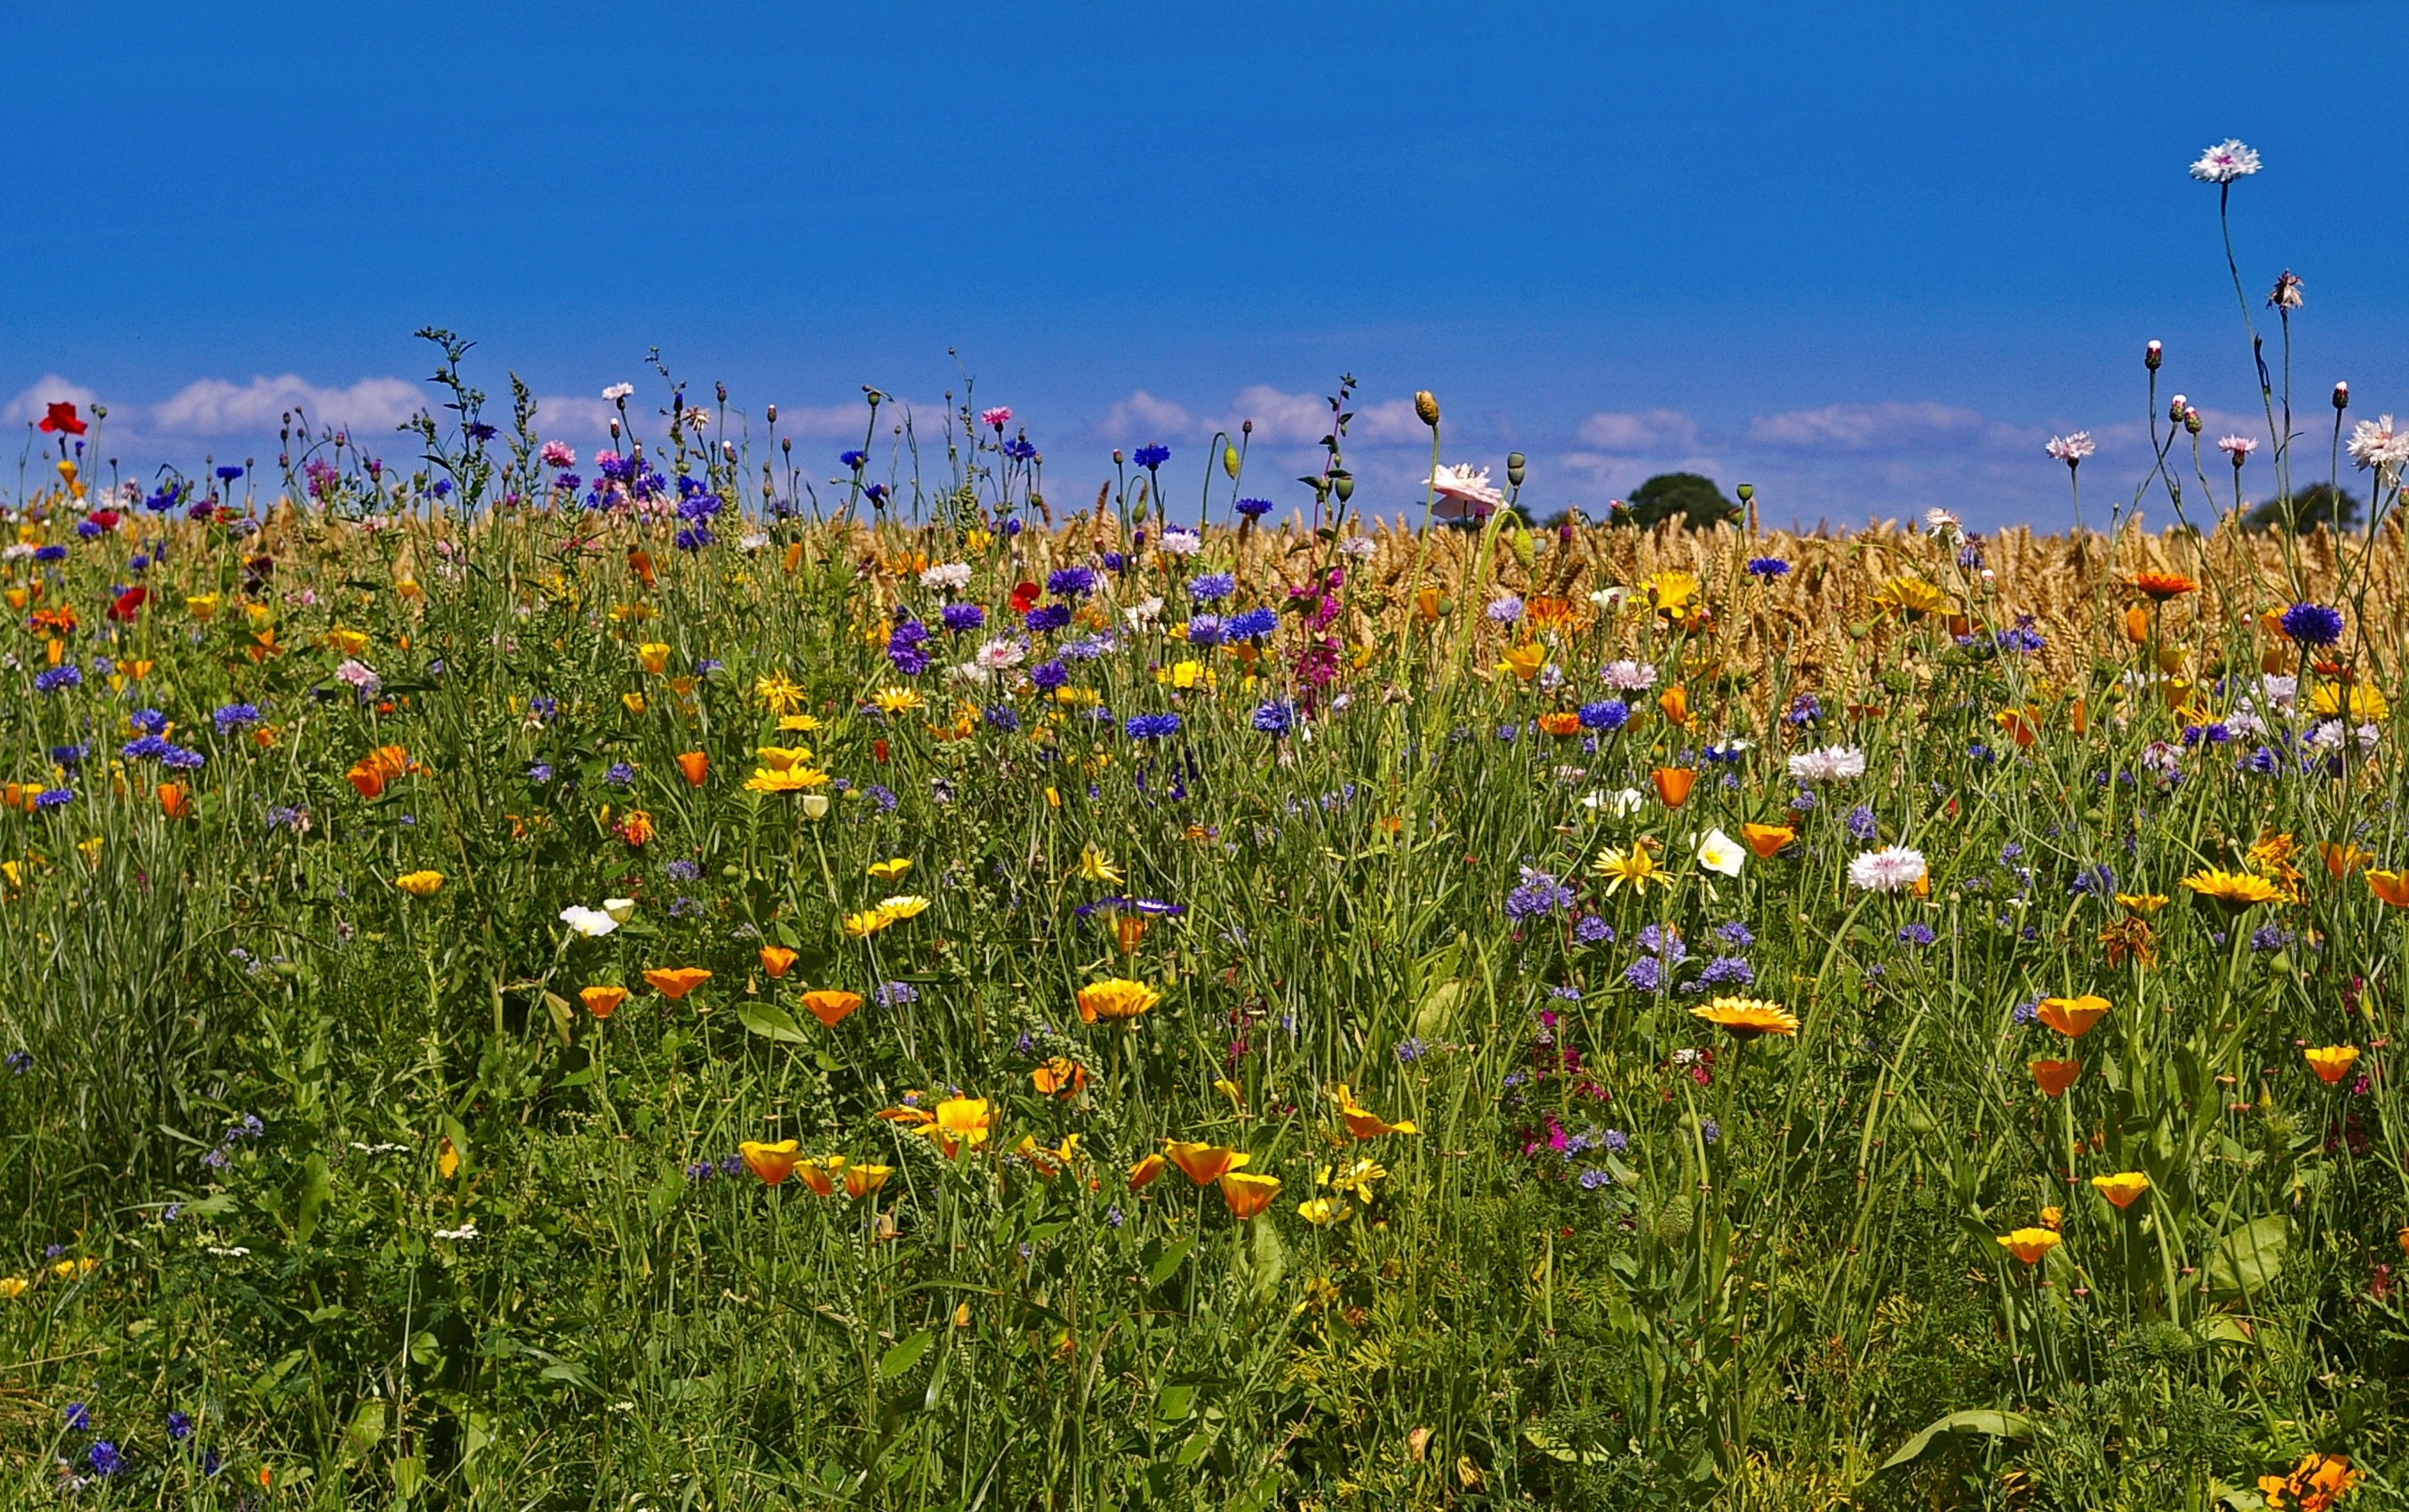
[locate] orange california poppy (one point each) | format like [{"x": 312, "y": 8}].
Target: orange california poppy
[
  {"x": 821, "y": 1174},
  {"x": 1675, "y": 702},
  {"x": 602, "y": 1001},
  {"x": 830, "y": 1005},
  {"x": 776, "y": 959},
  {"x": 2392, "y": 887},
  {"x": 2055, "y": 1077},
  {"x": 1061, "y": 1076},
  {"x": 1765, "y": 841},
  {"x": 2341, "y": 858},
  {"x": 175, "y": 800},
  {"x": 1142, "y": 1174},
  {"x": 2072, "y": 1017},
  {"x": 675, "y": 982},
  {"x": 1203, "y": 1163},
  {"x": 1247, "y": 1193},
  {"x": 1673, "y": 783},
  {"x": 696, "y": 765},
  {"x": 2331, "y": 1062},
  {"x": 2029, "y": 1244},
  {"x": 772, "y": 1163},
  {"x": 1363, "y": 1122}
]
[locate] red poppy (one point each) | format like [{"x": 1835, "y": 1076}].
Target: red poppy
[
  {"x": 1024, "y": 598},
  {"x": 129, "y": 603},
  {"x": 62, "y": 417}
]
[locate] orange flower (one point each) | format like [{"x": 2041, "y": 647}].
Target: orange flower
[
  {"x": 2122, "y": 1190},
  {"x": 821, "y": 1175},
  {"x": 1247, "y": 1193},
  {"x": 2022, "y": 725},
  {"x": 1675, "y": 702},
  {"x": 636, "y": 827},
  {"x": 2331, "y": 1062},
  {"x": 675, "y": 982},
  {"x": 2160, "y": 587},
  {"x": 1061, "y": 1076},
  {"x": 2055, "y": 1077},
  {"x": 602, "y": 1001},
  {"x": 696, "y": 765},
  {"x": 2029, "y": 1244},
  {"x": 830, "y": 1005},
  {"x": 1561, "y": 723},
  {"x": 2391, "y": 887},
  {"x": 369, "y": 774},
  {"x": 772, "y": 1163},
  {"x": 2137, "y": 624},
  {"x": 1142, "y": 1174},
  {"x": 175, "y": 800},
  {"x": 2072, "y": 1017},
  {"x": 776, "y": 959},
  {"x": 863, "y": 1180},
  {"x": 1363, "y": 1122},
  {"x": 1765, "y": 841},
  {"x": 1205, "y": 1163},
  {"x": 1673, "y": 783},
  {"x": 2341, "y": 858},
  {"x": 1116, "y": 1000}
]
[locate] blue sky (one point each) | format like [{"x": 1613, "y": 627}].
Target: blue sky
[{"x": 1867, "y": 258}]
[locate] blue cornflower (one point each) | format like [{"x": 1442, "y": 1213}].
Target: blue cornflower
[
  {"x": 1862, "y": 824},
  {"x": 147, "y": 721},
  {"x": 20, "y": 1062},
  {"x": 1604, "y": 714},
  {"x": 104, "y": 1459},
  {"x": 1049, "y": 675},
  {"x": 53, "y": 797},
  {"x": 1050, "y": 618},
  {"x": 1504, "y": 611},
  {"x": 961, "y": 618},
  {"x": 895, "y": 994},
  {"x": 620, "y": 775},
  {"x": 1000, "y": 716},
  {"x": 233, "y": 716},
  {"x": 1768, "y": 567},
  {"x": 179, "y": 1427},
  {"x": 1253, "y": 624},
  {"x": 1206, "y": 630},
  {"x": 2312, "y": 625},
  {"x": 855, "y": 460},
  {"x": 1206, "y": 587},
  {"x": 1151, "y": 726},
  {"x": 1275, "y": 718},
  {"x": 1254, "y": 509},
  {"x": 1071, "y": 581},
  {"x": 1915, "y": 934},
  {"x": 51, "y": 679},
  {"x": 1412, "y": 1049},
  {"x": 79, "y": 1417},
  {"x": 52, "y": 553},
  {"x": 882, "y": 797},
  {"x": 1151, "y": 456}
]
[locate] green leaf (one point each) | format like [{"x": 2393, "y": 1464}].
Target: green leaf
[
  {"x": 771, "y": 1022},
  {"x": 1172, "y": 1403},
  {"x": 317, "y": 1185},
  {"x": 1168, "y": 1265},
  {"x": 905, "y": 1355},
  {"x": 1988, "y": 1422},
  {"x": 2250, "y": 1256},
  {"x": 1556, "y": 1448}
]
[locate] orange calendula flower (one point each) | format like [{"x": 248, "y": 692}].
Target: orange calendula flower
[
  {"x": 830, "y": 1005},
  {"x": 675, "y": 982},
  {"x": 602, "y": 1001},
  {"x": 1673, "y": 783},
  {"x": 1203, "y": 1163},
  {"x": 2055, "y": 1077},
  {"x": 1247, "y": 1193},
  {"x": 2072, "y": 1017},
  {"x": 2331, "y": 1062},
  {"x": 1765, "y": 841},
  {"x": 2390, "y": 888},
  {"x": 1363, "y": 1122},
  {"x": 776, "y": 960},
  {"x": 1561, "y": 723},
  {"x": 1059, "y": 1077},
  {"x": 420, "y": 884},
  {"x": 772, "y": 1163},
  {"x": 695, "y": 767},
  {"x": 2160, "y": 587},
  {"x": 2031, "y": 1245},
  {"x": 1114, "y": 1000},
  {"x": 2122, "y": 1190},
  {"x": 1745, "y": 1018},
  {"x": 635, "y": 828}
]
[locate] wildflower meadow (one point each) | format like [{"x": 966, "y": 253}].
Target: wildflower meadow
[{"x": 706, "y": 975}]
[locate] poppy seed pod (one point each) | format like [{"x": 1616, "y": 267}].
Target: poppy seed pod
[
  {"x": 1746, "y": 492},
  {"x": 1230, "y": 461},
  {"x": 1426, "y": 405},
  {"x": 1514, "y": 464},
  {"x": 1343, "y": 483}
]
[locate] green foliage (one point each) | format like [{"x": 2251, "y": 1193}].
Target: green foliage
[{"x": 1687, "y": 498}]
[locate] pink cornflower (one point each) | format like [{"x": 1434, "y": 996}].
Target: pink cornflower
[
  {"x": 998, "y": 417},
  {"x": 559, "y": 455}
]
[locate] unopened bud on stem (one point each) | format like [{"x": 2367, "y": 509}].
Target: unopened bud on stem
[{"x": 1426, "y": 405}]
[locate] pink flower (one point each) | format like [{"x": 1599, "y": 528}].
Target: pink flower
[
  {"x": 559, "y": 455},
  {"x": 2238, "y": 447},
  {"x": 2224, "y": 162},
  {"x": 2071, "y": 450},
  {"x": 998, "y": 417}
]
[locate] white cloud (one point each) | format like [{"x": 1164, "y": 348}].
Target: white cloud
[
  {"x": 1142, "y": 415},
  {"x": 1867, "y": 428},
  {"x": 1641, "y": 431},
  {"x": 1280, "y": 419},
  {"x": 214, "y": 406}
]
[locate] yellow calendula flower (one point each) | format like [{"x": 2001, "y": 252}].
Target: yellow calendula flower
[
  {"x": 864, "y": 924},
  {"x": 1745, "y": 1018},
  {"x": 1911, "y": 598},
  {"x": 778, "y": 693},
  {"x": 1354, "y": 1178},
  {"x": 800, "y": 724},
  {"x": 889, "y": 871},
  {"x": 902, "y": 906},
  {"x": 1116, "y": 1000},
  {"x": 14, "y": 1287},
  {"x": 2234, "y": 891},
  {"x": 786, "y": 780},
  {"x": 2366, "y": 704},
  {"x": 1671, "y": 592},
  {"x": 420, "y": 884},
  {"x": 896, "y": 700},
  {"x": 1095, "y": 866}
]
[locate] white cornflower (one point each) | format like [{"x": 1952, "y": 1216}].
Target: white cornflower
[
  {"x": 695, "y": 419},
  {"x": 2071, "y": 450},
  {"x": 752, "y": 540},
  {"x": 1460, "y": 487},
  {"x": 1942, "y": 523},
  {"x": 2224, "y": 162},
  {"x": 946, "y": 577},
  {"x": 1144, "y": 613},
  {"x": 2238, "y": 447},
  {"x": 229, "y": 1251},
  {"x": 1359, "y": 547},
  {"x": 590, "y": 922},
  {"x": 618, "y": 392},
  {"x": 1621, "y": 803},
  {"x": 1891, "y": 868},
  {"x": 1629, "y": 676},
  {"x": 969, "y": 674},
  {"x": 466, "y": 1231},
  {"x": 2374, "y": 443},
  {"x": 1180, "y": 541},
  {"x": 1001, "y": 654},
  {"x": 1829, "y": 764},
  {"x": 1609, "y": 601}
]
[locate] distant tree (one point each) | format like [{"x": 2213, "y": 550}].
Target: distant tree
[
  {"x": 1691, "y": 499},
  {"x": 2319, "y": 504}
]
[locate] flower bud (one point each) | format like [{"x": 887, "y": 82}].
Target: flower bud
[
  {"x": 2175, "y": 408},
  {"x": 1514, "y": 463},
  {"x": 1116, "y": 457},
  {"x": 1345, "y": 485},
  {"x": 1230, "y": 461},
  {"x": 2191, "y": 419},
  {"x": 722, "y": 389},
  {"x": 1426, "y": 405},
  {"x": 816, "y": 805},
  {"x": 2341, "y": 395},
  {"x": 2153, "y": 355},
  {"x": 1247, "y": 428},
  {"x": 773, "y": 414}
]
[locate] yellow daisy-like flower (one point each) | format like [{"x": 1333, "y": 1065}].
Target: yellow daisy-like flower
[
  {"x": 1114, "y": 1000},
  {"x": 778, "y": 693},
  {"x": 2141, "y": 904},
  {"x": 785, "y": 779},
  {"x": 804, "y": 723},
  {"x": 2233, "y": 890},
  {"x": 902, "y": 906},
  {"x": 1911, "y": 598},
  {"x": 1321, "y": 1212},
  {"x": 2365, "y": 703},
  {"x": 1095, "y": 866},
  {"x": 1745, "y": 1018},
  {"x": 865, "y": 923},
  {"x": 420, "y": 884},
  {"x": 1635, "y": 867},
  {"x": 1354, "y": 1178},
  {"x": 896, "y": 700}
]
